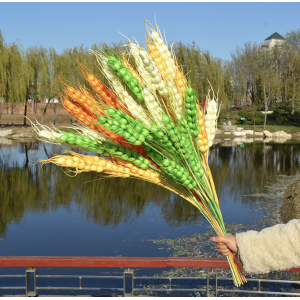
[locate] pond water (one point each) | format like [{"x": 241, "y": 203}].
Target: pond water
[{"x": 45, "y": 212}]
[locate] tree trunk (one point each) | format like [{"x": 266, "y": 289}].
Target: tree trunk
[
  {"x": 264, "y": 159},
  {"x": 293, "y": 100},
  {"x": 44, "y": 112},
  {"x": 266, "y": 107},
  {"x": 46, "y": 150},
  {"x": 265, "y": 120},
  {"x": 293, "y": 106},
  {"x": 253, "y": 118},
  {"x": 32, "y": 106},
  {"x": 26, "y": 151},
  {"x": 9, "y": 112},
  {"x": 54, "y": 112},
  {"x": 292, "y": 159},
  {"x": 285, "y": 92},
  {"x": 25, "y": 112}
]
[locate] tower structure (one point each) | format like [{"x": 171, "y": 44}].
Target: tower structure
[{"x": 273, "y": 40}]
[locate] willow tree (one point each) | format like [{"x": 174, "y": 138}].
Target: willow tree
[
  {"x": 13, "y": 73},
  {"x": 2, "y": 70},
  {"x": 49, "y": 78},
  {"x": 67, "y": 65},
  {"x": 202, "y": 69},
  {"x": 36, "y": 58},
  {"x": 191, "y": 61},
  {"x": 213, "y": 75}
]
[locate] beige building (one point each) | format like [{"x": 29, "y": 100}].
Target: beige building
[{"x": 271, "y": 41}]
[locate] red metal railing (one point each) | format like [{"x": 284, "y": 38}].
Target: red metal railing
[
  {"x": 117, "y": 262},
  {"x": 111, "y": 261},
  {"x": 33, "y": 262}
]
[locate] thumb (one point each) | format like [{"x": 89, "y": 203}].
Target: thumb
[{"x": 223, "y": 239}]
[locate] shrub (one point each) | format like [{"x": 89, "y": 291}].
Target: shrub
[
  {"x": 245, "y": 114},
  {"x": 258, "y": 114},
  {"x": 283, "y": 120},
  {"x": 242, "y": 113},
  {"x": 260, "y": 108},
  {"x": 285, "y": 106},
  {"x": 296, "y": 115},
  {"x": 276, "y": 114},
  {"x": 239, "y": 121},
  {"x": 258, "y": 121},
  {"x": 249, "y": 116},
  {"x": 281, "y": 105},
  {"x": 222, "y": 117}
]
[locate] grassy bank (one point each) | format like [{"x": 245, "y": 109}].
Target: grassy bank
[{"x": 61, "y": 119}]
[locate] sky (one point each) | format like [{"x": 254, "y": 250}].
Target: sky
[{"x": 217, "y": 27}]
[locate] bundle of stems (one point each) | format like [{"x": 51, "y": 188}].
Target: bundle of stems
[{"x": 146, "y": 124}]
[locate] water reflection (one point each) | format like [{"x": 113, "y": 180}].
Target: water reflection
[
  {"x": 25, "y": 188},
  {"x": 105, "y": 201},
  {"x": 239, "y": 171},
  {"x": 28, "y": 146}
]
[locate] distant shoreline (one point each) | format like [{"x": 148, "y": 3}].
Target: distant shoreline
[{"x": 22, "y": 132}]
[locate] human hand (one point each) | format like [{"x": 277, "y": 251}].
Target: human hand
[{"x": 226, "y": 244}]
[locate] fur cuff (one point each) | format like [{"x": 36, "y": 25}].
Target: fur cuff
[{"x": 276, "y": 248}]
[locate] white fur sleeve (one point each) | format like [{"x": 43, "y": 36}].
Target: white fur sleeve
[{"x": 275, "y": 248}]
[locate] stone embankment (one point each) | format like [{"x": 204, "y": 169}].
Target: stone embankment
[
  {"x": 8, "y": 135},
  {"x": 238, "y": 135},
  {"x": 228, "y": 133},
  {"x": 291, "y": 206}
]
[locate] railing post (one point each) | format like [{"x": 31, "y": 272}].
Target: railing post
[
  {"x": 207, "y": 286},
  {"x": 80, "y": 282},
  {"x": 124, "y": 282},
  {"x": 35, "y": 282},
  {"x": 132, "y": 288}
]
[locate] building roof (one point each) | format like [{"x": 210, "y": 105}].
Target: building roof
[{"x": 275, "y": 36}]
